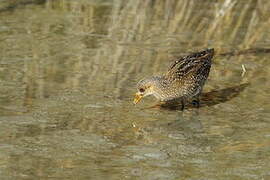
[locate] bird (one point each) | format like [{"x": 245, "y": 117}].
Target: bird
[{"x": 183, "y": 81}]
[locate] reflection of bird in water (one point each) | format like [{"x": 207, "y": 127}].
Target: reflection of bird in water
[
  {"x": 214, "y": 97},
  {"x": 184, "y": 79}
]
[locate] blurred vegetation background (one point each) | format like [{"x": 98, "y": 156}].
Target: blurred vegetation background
[{"x": 73, "y": 42}]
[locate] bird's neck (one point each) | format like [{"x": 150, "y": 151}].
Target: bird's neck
[{"x": 159, "y": 84}]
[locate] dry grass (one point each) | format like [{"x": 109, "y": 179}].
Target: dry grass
[{"x": 122, "y": 41}]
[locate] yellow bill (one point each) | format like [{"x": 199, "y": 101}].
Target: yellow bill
[{"x": 137, "y": 98}]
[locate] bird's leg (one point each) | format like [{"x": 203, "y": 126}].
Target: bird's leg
[
  {"x": 196, "y": 102},
  {"x": 182, "y": 104}
]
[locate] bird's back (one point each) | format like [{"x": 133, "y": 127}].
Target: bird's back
[{"x": 186, "y": 75}]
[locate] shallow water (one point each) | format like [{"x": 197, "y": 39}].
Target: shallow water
[{"x": 68, "y": 72}]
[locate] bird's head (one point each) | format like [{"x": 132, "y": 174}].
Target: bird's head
[{"x": 145, "y": 87}]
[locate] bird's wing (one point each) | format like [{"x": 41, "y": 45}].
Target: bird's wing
[{"x": 195, "y": 64}]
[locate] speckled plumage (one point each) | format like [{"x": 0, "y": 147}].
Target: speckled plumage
[{"x": 184, "y": 79}]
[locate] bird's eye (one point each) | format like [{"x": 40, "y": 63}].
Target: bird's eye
[{"x": 141, "y": 90}]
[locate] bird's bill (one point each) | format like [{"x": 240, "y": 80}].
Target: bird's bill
[{"x": 137, "y": 98}]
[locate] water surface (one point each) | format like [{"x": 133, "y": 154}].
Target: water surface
[{"x": 68, "y": 72}]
